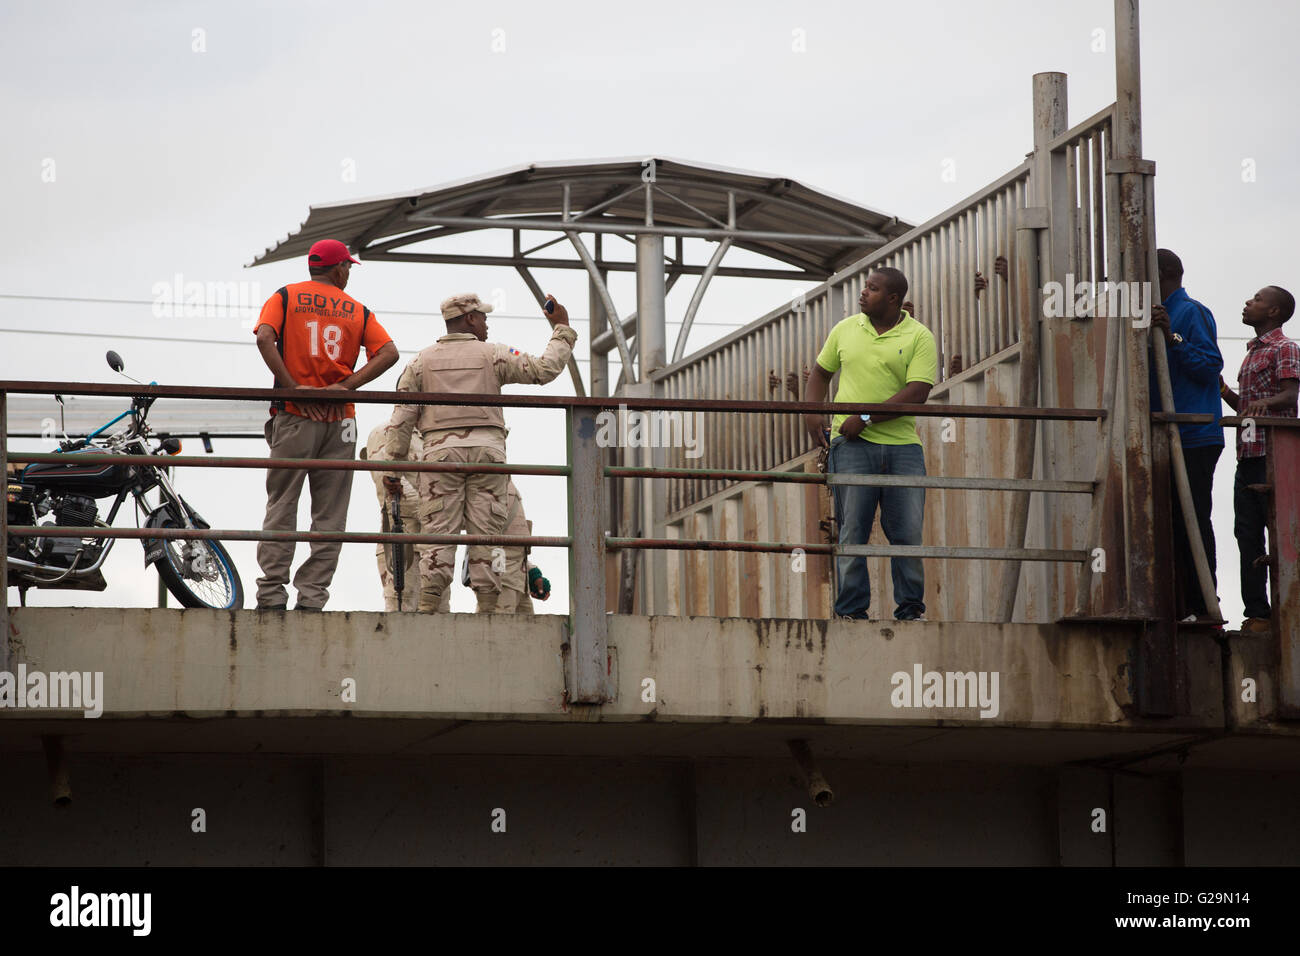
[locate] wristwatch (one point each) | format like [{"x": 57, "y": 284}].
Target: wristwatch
[{"x": 866, "y": 420}]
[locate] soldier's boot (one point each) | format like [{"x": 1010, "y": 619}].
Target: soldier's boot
[
  {"x": 430, "y": 598},
  {"x": 487, "y": 600}
]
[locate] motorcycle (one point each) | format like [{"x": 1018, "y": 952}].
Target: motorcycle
[{"x": 198, "y": 572}]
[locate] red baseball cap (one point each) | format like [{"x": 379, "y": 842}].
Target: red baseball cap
[{"x": 328, "y": 252}]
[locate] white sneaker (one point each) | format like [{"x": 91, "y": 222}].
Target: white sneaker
[{"x": 1190, "y": 619}]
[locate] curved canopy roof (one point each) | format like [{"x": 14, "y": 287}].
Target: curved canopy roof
[{"x": 812, "y": 231}]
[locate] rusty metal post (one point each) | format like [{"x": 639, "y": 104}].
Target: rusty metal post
[
  {"x": 1033, "y": 252},
  {"x": 818, "y": 788},
  {"x": 636, "y": 597},
  {"x": 1084, "y": 604},
  {"x": 587, "y": 666},
  {"x": 1283, "y": 463},
  {"x": 1140, "y": 480},
  {"x": 1161, "y": 687},
  {"x": 4, "y": 534}
]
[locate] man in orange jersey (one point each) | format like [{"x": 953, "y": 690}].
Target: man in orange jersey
[{"x": 310, "y": 335}]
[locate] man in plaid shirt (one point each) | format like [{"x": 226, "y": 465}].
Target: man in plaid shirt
[{"x": 1269, "y": 382}]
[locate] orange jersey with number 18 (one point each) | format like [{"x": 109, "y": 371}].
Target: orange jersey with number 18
[{"x": 320, "y": 331}]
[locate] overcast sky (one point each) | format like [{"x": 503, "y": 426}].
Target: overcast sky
[{"x": 147, "y": 140}]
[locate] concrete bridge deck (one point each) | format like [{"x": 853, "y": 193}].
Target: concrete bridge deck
[
  {"x": 362, "y": 682},
  {"x": 460, "y": 723}
]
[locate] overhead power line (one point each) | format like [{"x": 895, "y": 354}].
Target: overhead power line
[
  {"x": 93, "y": 300},
  {"x": 184, "y": 341}
]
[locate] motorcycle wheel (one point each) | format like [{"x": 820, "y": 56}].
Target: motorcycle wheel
[{"x": 200, "y": 573}]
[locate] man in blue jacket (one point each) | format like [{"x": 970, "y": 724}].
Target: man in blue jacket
[{"x": 1194, "y": 365}]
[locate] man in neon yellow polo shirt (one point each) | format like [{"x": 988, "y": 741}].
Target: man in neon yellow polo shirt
[{"x": 884, "y": 356}]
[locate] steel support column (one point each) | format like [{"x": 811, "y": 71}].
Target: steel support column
[
  {"x": 598, "y": 324},
  {"x": 1161, "y": 685},
  {"x": 1139, "y": 479},
  {"x": 652, "y": 355},
  {"x": 1032, "y": 254},
  {"x": 587, "y": 665},
  {"x": 651, "y": 311}
]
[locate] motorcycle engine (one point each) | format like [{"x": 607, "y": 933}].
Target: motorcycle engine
[
  {"x": 74, "y": 511},
  {"x": 70, "y": 511}
]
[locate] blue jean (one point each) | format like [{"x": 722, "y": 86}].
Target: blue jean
[{"x": 902, "y": 511}]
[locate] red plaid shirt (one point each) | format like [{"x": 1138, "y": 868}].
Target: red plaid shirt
[{"x": 1269, "y": 359}]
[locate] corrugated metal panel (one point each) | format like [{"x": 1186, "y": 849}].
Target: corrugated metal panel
[
  {"x": 941, "y": 287},
  {"x": 939, "y": 259}
]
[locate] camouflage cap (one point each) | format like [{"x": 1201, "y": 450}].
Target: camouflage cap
[{"x": 463, "y": 304}]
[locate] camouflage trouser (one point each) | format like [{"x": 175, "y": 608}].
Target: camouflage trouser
[
  {"x": 451, "y": 503},
  {"x": 513, "y": 599},
  {"x": 410, "y": 555},
  {"x": 508, "y": 563}
]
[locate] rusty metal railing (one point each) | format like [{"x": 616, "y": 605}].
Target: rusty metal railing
[{"x": 585, "y": 474}]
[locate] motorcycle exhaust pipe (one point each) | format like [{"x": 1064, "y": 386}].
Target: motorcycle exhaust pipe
[
  {"x": 818, "y": 788},
  {"x": 72, "y": 571},
  {"x": 57, "y": 765},
  {"x": 42, "y": 570}
]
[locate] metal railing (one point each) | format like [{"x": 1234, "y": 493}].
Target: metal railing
[{"x": 588, "y": 540}]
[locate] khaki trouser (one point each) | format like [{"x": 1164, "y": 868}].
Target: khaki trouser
[
  {"x": 291, "y": 436},
  {"x": 451, "y": 503}
]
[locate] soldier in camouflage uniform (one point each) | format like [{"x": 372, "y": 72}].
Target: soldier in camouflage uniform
[
  {"x": 464, "y": 361},
  {"x": 375, "y": 450}
]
